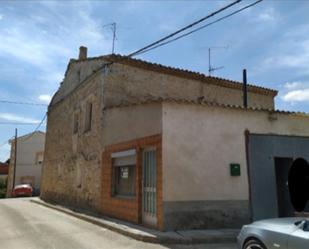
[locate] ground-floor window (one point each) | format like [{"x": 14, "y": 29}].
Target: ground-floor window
[{"x": 124, "y": 173}]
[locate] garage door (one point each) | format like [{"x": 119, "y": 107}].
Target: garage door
[{"x": 270, "y": 158}]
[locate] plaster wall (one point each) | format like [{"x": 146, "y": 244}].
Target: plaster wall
[
  {"x": 199, "y": 143},
  {"x": 128, "y": 123}
]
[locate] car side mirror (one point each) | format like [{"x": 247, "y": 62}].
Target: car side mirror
[{"x": 306, "y": 226}]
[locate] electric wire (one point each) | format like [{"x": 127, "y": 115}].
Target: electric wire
[
  {"x": 17, "y": 123},
  {"x": 200, "y": 28},
  {"x": 21, "y": 103},
  {"x": 37, "y": 128},
  {"x": 3, "y": 144},
  {"x": 184, "y": 28}
]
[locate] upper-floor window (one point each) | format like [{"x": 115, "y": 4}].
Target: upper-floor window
[
  {"x": 88, "y": 118},
  {"x": 39, "y": 157},
  {"x": 75, "y": 123}
]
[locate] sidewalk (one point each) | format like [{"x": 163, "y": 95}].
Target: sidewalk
[{"x": 150, "y": 235}]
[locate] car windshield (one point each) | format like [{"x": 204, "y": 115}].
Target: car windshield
[{"x": 22, "y": 186}]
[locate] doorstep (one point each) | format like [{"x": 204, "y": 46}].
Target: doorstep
[{"x": 149, "y": 235}]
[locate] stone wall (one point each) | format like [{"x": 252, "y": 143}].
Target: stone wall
[
  {"x": 72, "y": 165},
  {"x": 126, "y": 83},
  {"x": 133, "y": 83}
]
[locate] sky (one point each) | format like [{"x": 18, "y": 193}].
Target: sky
[{"x": 38, "y": 38}]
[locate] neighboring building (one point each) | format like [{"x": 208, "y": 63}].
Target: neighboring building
[
  {"x": 166, "y": 147},
  {"x": 4, "y": 169},
  {"x": 29, "y": 161}
]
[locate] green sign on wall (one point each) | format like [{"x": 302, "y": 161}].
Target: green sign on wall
[{"x": 235, "y": 169}]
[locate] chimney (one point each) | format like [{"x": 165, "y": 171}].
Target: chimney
[
  {"x": 244, "y": 88},
  {"x": 82, "y": 53}
]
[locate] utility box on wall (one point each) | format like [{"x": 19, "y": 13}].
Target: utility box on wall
[{"x": 235, "y": 169}]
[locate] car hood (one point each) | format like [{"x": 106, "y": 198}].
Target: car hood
[{"x": 280, "y": 224}]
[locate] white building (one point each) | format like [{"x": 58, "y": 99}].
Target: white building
[{"x": 29, "y": 160}]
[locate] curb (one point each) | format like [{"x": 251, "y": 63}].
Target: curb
[{"x": 147, "y": 235}]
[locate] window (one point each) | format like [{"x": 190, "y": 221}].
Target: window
[
  {"x": 75, "y": 123},
  {"x": 39, "y": 158},
  {"x": 27, "y": 180},
  {"x": 88, "y": 116},
  {"x": 124, "y": 167}
]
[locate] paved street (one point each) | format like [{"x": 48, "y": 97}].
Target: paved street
[{"x": 26, "y": 225}]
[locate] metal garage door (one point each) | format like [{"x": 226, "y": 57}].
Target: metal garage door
[{"x": 269, "y": 159}]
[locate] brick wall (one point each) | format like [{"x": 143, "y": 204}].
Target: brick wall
[{"x": 131, "y": 209}]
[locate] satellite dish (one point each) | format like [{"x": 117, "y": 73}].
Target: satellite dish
[{"x": 299, "y": 184}]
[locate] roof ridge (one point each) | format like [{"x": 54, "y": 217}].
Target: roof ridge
[
  {"x": 202, "y": 103},
  {"x": 117, "y": 58}
]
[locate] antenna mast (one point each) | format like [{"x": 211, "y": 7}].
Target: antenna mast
[
  {"x": 113, "y": 27},
  {"x": 114, "y": 36},
  {"x": 210, "y": 68}
]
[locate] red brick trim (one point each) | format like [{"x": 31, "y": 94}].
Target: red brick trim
[{"x": 131, "y": 209}]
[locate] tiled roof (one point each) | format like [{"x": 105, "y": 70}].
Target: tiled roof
[
  {"x": 112, "y": 58},
  {"x": 201, "y": 103}
]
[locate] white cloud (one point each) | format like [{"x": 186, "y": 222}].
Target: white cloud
[
  {"x": 44, "y": 39},
  {"x": 294, "y": 85},
  {"x": 297, "y": 96},
  {"x": 1, "y": 17},
  {"x": 290, "y": 54},
  {"x": 45, "y": 98},
  {"x": 66, "y": 31},
  {"x": 296, "y": 91},
  {"x": 268, "y": 15},
  {"x": 16, "y": 118}
]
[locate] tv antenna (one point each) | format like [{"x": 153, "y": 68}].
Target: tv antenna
[
  {"x": 113, "y": 29},
  {"x": 211, "y": 69}
]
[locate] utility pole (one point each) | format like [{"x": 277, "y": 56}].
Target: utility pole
[
  {"x": 210, "y": 68},
  {"x": 15, "y": 158}
]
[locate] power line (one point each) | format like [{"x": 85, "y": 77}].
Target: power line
[
  {"x": 202, "y": 27},
  {"x": 21, "y": 103},
  {"x": 17, "y": 123},
  {"x": 185, "y": 28},
  {"x": 43, "y": 119},
  {"x": 37, "y": 128},
  {"x": 3, "y": 144}
]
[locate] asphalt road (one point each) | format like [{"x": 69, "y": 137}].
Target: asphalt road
[{"x": 26, "y": 225}]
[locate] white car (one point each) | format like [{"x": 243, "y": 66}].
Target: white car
[{"x": 283, "y": 233}]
